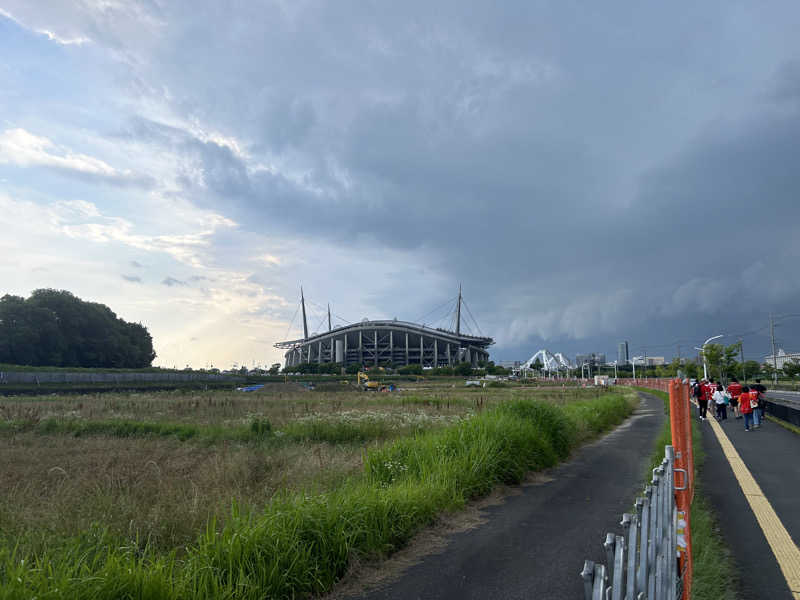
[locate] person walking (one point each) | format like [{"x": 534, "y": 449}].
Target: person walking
[
  {"x": 762, "y": 399},
  {"x": 702, "y": 400},
  {"x": 697, "y": 391},
  {"x": 720, "y": 402},
  {"x": 735, "y": 390},
  {"x": 746, "y": 408}
]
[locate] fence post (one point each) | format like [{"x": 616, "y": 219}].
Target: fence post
[
  {"x": 588, "y": 579},
  {"x": 680, "y": 420}
]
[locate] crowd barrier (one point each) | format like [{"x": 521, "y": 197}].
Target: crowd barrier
[{"x": 652, "y": 559}]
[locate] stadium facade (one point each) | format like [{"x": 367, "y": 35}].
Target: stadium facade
[{"x": 374, "y": 343}]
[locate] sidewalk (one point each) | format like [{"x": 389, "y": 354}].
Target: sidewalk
[
  {"x": 533, "y": 545},
  {"x": 772, "y": 456}
]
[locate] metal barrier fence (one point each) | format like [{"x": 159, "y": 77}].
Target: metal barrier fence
[{"x": 652, "y": 558}]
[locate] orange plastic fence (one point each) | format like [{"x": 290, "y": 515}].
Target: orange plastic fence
[
  {"x": 681, "y": 424},
  {"x": 680, "y": 416}
]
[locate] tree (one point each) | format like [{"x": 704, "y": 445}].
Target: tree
[
  {"x": 274, "y": 369},
  {"x": 691, "y": 369},
  {"x": 464, "y": 369},
  {"x": 721, "y": 360},
  {"x": 751, "y": 368},
  {"x": 55, "y": 328},
  {"x": 791, "y": 368},
  {"x": 729, "y": 365},
  {"x": 712, "y": 355}
]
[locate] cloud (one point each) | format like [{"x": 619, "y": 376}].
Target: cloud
[
  {"x": 132, "y": 278},
  {"x": 586, "y": 174},
  {"x": 22, "y": 148},
  {"x": 136, "y": 264},
  {"x": 171, "y": 282},
  {"x": 53, "y": 37}
]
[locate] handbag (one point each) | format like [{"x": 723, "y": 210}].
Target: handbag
[{"x": 754, "y": 404}]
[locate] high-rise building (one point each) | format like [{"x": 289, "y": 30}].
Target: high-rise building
[
  {"x": 622, "y": 353},
  {"x": 595, "y": 359}
]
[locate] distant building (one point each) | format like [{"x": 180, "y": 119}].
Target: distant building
[
  {"x": 656, "y": 361},
  {"x": 622, "y": 353},
  {"x": 781, "y": 358},
  {"x": 594, "y": 359},
  {"x": 509, "y": 364}
]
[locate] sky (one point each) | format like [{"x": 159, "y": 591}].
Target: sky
[{"x": 588, "y": 172}]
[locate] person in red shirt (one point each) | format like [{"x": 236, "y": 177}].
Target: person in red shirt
[
  {"x": 746, "y": 400},
  {"x": 735, "y": 390},
  {"x": 702, "y": 400}
]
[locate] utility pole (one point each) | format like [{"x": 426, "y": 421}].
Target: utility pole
[
  {"x": 774, "y": 356},
  {"x": 645, "y": 361},
  {"x": 741, "y": 357}
]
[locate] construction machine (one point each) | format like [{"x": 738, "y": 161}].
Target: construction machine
[
  {"x": 368, "y": 385},
  {"x": 365, "y": 384}
]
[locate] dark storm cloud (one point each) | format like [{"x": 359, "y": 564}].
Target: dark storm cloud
[{"x": 587, "y": 172}]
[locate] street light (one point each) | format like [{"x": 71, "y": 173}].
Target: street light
[
  {"x": 703, "y": 350},
  {"x": 633, "y": 362}
]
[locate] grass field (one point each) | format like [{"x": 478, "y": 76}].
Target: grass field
[{"x": 263, "y": 494}]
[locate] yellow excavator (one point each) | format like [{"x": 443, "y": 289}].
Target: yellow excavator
[{"x": 365, "y": 384}]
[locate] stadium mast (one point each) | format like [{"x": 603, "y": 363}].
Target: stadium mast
[
  {"x": 458, "y": 313},
  {"x": 329, "y": 316},
  {"x": 305, "y": 323}
]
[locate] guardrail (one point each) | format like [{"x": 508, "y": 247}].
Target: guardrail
[
  {"x": 784, "y": 411},
  {"x": 652, "y": 559}
]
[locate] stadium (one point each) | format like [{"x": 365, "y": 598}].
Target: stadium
[{"x": 381, "y": 342}]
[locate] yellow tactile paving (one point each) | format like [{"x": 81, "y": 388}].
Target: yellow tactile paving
[{"x": 785, "y": 550}]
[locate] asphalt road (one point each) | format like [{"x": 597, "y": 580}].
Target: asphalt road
[
  {"x": 534, "y": 544},
  {"x": 790, "y": 398},
  {"x": 772, "y": 454}
]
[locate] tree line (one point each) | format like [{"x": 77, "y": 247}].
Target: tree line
[{"x": 54, "y": 328}]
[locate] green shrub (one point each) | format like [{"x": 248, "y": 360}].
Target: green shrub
[
  {"x": 337, "y": 431},
  {"x": 260, "y": 427}
]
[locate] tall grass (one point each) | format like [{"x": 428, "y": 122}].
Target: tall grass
[
  {"x": 334, "y": 430},
  {"x": 257, "y": 430},
  {"x": 301, "y": 545}
]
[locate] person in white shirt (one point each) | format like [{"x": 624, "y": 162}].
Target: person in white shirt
[{"x": 721, "y": 403}]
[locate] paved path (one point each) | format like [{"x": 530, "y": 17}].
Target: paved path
[
  {"x": 772, "y": 456},
  {"x": 534, "y": 544}
]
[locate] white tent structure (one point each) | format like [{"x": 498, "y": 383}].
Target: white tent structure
[{"x": 550, "y": 361}]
